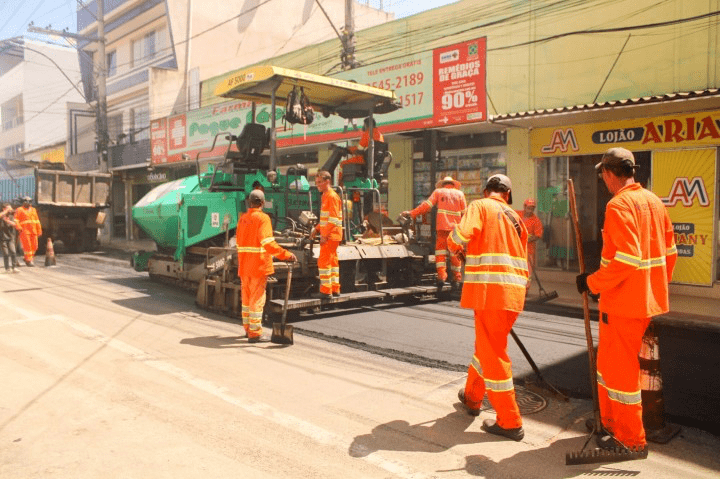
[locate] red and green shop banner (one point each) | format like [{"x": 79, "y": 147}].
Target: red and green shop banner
[{"x": 440, "y": 87}]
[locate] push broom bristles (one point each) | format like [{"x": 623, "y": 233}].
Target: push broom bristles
[{"x": 595, "y": 456}]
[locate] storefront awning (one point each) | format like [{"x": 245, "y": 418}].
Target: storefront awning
[{"x": 614, "y": 110}]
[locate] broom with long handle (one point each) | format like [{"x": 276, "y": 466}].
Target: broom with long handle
[{"x": 592, "y": 456}]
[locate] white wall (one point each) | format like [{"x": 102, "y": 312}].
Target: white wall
[
  {"x": 46, "y": 92},
  {"x": 264, "y": 32},
  {"x": 11, "y": 85}
]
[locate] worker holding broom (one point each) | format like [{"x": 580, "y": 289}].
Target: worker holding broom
[
  {"x": 495, "y": 276},
  {"x": 255, "y": 247},
  {"x": 636, "y": 265},
  {"x": 535, "y": 232}
]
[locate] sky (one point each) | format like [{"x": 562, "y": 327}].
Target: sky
[{"x": 15, "y": 15}]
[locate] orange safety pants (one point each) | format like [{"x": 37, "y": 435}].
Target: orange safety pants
[
  {"x": 30, "y": 245},
  {"x": 329, "y": 267},
  {"x": 618, "y": 374},
  {"x": 441, "y": 254},
  {"x": 253, "y": 302},
  {"x": 491, "y": 368}
]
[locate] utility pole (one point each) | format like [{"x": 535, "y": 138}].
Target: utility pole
[
  {"x": 101, "y": 70},
  {"x": 102, "y": 127},
  {"x": 347, "y": 56}
]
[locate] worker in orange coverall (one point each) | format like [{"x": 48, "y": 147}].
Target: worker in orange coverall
[
  {"x": 330, "y": 229},
  {"x": 494, "y": 241},
  {"x": 360, "y": 149},
  {"x": 26, "y": 216},
  {"x": 451, "y": 205},
  {"x": 255, "y": 247},
  {"x": 636, "y": 265},
  {"x": 535, "y": 232}
]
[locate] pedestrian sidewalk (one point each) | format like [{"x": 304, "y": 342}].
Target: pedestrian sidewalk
[{"x": 685, "y": 309}]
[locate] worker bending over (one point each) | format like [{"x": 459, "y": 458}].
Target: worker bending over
[
  {"x": 535, "y": 232},
  {"x": 494, "y": 241},
  {"x": 256, "y": 247},
  {"x": 451, "y": 205}
]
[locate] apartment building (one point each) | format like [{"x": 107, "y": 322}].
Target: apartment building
[
  {"x": 37, "y": 81},
  {"x": 158, "y": 52}
]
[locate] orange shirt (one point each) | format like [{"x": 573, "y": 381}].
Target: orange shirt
[
  {"x": 638, "y": 255},
  {"x": 451, "y": 206},
  {"x": 496, "y": 268},
  {"x": 534, "y": 227},
  {"x": 330, "y": 225},
  {"x": 256, "y": 245},
  {"x": 364, "y": 143},
  {"x": 28, "y": 220}
]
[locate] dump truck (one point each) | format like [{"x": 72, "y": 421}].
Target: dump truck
[
  {"x": 70, "y": 204},
  {"x": 193, "y": 220}
]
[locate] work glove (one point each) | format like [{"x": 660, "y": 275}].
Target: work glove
[
  {"x": 292, "y": 258},
  {"x": 582, "y": 286},
  {"x": 581, "y": 282}
]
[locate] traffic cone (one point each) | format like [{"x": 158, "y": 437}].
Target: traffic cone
[
  {"x": 653, "y": 406},
  {"x": 49, "y": 253}
]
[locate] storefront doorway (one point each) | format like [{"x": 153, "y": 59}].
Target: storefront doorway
[{"x": 557, "y": 250}]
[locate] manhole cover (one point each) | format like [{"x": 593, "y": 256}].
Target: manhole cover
[{"x": 528, "y": 401}]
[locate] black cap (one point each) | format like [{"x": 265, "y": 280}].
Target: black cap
[{"x": 500, "y": 180}]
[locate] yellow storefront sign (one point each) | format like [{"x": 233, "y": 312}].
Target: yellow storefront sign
[
  {"x": 685, "y": 181},
  {"x": 676, "y": 131}
]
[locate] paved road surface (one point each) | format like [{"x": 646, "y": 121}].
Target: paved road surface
[{"x": 106, "y": 374}]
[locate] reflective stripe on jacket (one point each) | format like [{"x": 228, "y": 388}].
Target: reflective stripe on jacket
[
  {"x": 256, "y": 245},
  {"x": 496, "y": 269},
  {"x": 330, "y": 225},
  {"x": 638, "y": 255},
  {"x": 28, "y": 220},
  {"x": 451, "y": 206}
]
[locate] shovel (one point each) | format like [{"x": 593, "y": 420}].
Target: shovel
[{"x": 283, "y": 333}]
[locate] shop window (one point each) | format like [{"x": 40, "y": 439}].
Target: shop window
[
  {"x": 471, "y": 168},
  {"x": 558, "y": 247}
]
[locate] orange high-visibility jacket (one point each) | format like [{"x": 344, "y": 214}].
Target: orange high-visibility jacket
[
  {"x": 451, "y": 206},
  {"x": 330, "y": 225},
  {"x": 534, "y": 227},
  {"x": 256, "y": 245},
  {"x": 496, "y": 269},
  {"x": 365, "y": 140},
  {"x": 638, "y": 255},
  {"x": 28, "y": 220}
]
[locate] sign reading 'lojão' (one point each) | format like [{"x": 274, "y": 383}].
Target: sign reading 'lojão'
[{"x": 695, "y": 129}]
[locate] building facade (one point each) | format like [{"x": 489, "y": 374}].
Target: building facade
[
  {"x": 37, "y": 81},
  {"x": 563, "y": 83},
  {"x": 158, "y": 51}
]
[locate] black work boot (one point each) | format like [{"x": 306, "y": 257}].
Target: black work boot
[
  {"x": 491, "y": 426},
  {"x": 470, "y": 410}
]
